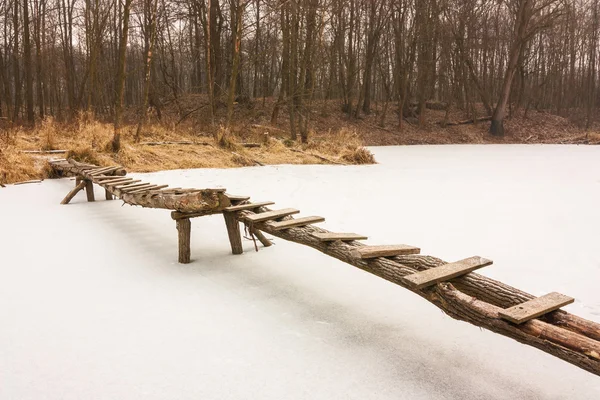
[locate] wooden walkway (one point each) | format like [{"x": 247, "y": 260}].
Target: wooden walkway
[{"x": 452, "y": 287}]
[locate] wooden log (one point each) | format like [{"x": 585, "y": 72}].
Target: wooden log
[
  {"x": 184, "y": 230},
  {"x": 233, "y": 231},
  {"x": 26, "y": 182},
  {"x": 89, "y": 190},
  {"x": 292, "y": 223},
  {"x": 78, "y": 187},
  {"x": 205, "y": 199},
  {"x": 330, "y": 237},
  {"x": 446, "y": 272},
  {"x": 108, "y": 195},
  {"x": 366, "y": 252},
  {"x": 565, "y": 336},
  {"x": 43, "y": 151},
  {"x": 535, "y": 308},
  {"x": 502, "y": 295}
]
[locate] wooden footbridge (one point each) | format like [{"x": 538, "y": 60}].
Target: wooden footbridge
[{"x": 452, "y": 287}]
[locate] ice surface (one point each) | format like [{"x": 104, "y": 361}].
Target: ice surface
[{"x": 94, "y": 306}]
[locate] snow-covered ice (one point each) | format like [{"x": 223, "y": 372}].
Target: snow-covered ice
[{"x": 93, "y": 304}]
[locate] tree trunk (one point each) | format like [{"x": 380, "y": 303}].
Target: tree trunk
[{"x": 121, "y": 72}]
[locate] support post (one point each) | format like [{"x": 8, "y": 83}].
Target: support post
[
  {"x": 72, "y": 193},
  {"x": 233, "y": 230},
  {"x": 89, "y": 190},
  {"x": 184, "y": 229},
  {"x": 261, "y": 237},
  {"x": 108, "y": 195}
]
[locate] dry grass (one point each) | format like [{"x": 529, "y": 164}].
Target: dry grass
[{"x": 87, "y": 140}]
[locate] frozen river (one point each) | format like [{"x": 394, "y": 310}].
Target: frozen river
[{"x": 94, "y": 306}]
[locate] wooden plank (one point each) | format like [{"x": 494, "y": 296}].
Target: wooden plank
[
  {"x": 236, "y": 198},
  {"x": 249, "y": 206},
  {"x": 103, "y": 179},
  {"x": 143, "y": 189},
  {"x": 535, "y": 307},
  {"x": 126, "y": 184},
  {"x": 102, "y": 171},
  {"x": 332, "y": 236},
  {"x": 135, "y": 187},
  {"x": 446, "y": 272},
  {"x": 270, "y": 215},
  {"x": 118, "y": 181},
  {"x": 366, "y": 252},
  {"x": 291, "y": 223}
]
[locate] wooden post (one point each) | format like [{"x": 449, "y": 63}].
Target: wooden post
[
  {"x": 89, "y": 190},
  {"x": 261, "y": 237},
  {"x": 108, "y": 195},
  {"x": 233, "y": 230},
  {"x": 72, "y": 193},
  {"x": 184, "y": 229}
]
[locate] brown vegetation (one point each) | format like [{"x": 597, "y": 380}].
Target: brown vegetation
[{"x": 178, "y": 147}]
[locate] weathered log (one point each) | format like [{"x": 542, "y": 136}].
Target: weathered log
[
  {"x": 233, "y": 231},
  {"x": 184, "y": 200},
  {"x": 184, "y": 229},
  {"x": 78, "y": 187},
  {"x": 572, "y": 339},
  {"x": 108, "y": 195}
]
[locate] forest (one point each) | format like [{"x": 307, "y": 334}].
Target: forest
[{"x": 111, "y": 58}]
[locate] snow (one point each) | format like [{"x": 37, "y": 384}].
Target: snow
[{"x": 93, "y": 304}]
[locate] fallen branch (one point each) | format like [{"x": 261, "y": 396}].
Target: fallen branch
[
  {"x": 250, "y": 145},
  {"x": 317, "y": 156},
  {"x": 465, "y": 122},
  {"x": 26, "y": 182},
  {"x": 181, "y": 142},
  {"x": 268, "y": 128},
  {"x": 44, "y": 151}
]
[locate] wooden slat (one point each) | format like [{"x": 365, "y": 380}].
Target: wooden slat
[
  {"x": 102, "y": 179},
  {"x": 446, "y": 272},
  {"x": 332, "y": 236},
  {"x": 535, "y": 307},
  {"x": 249, "y": 206},
  {"x": 113, "y": 183},
  {"x": 143, "y": 189},
  {"x": 126, "y": 184},
  {"x": 290, "y": 223},
  {"x": 135, "y": 187},
  {"x": 158, "y": 188},
  {"x": 236, "y": 198},
  {"x": 102, "y": 170},
  {"x": 270, "y": 215},
  {"x": 365, "y": 252}
]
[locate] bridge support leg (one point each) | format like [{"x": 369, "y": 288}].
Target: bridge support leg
[
  {"x": 72, "y": 193},
  {"x": 89, "y": 190},
  {"x": 184, "y": 230},
  {"x": 261, "y": 237},
  {"x": 108, "y": 195},
  {"x": 233, "y": 230}
]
